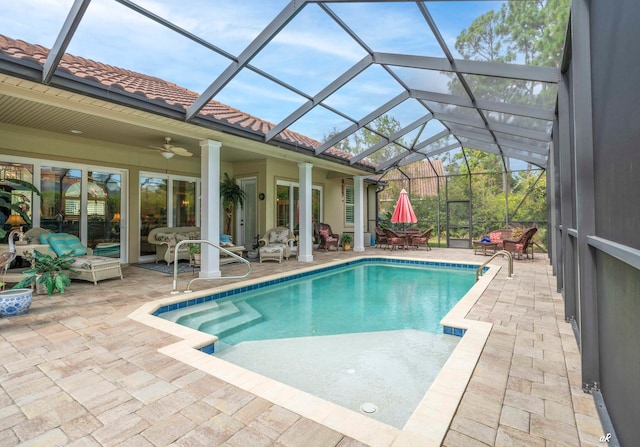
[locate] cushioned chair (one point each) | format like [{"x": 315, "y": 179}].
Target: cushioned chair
[
  {"x": 32, "y": 235},
  {"x": 520, "y": 246},
  {"x": 88, "y": 267},
  {"x": 394, "y": 240},
  {"x": 422, "y": 239},
  {"x": 326, "y": 236},
  {"x": 497, "y": 236},
  {"x": 276, "y": 244}
]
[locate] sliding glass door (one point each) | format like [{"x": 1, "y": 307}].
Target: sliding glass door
[
  {"x": 166, "y": 201},
  {"x": 287, "y": 205}
]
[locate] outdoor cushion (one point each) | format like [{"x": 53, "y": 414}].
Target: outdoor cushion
[
  {"x": 62, "y": 243},
  {"x": 325, "y": 235}
]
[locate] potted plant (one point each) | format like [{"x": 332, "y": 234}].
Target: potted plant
[
  {"x": 345, "y": 241},
  {"x": 232, "y": 195},
  {"x": 47, "y": 271},
  {"x": 195, "y": 250}
]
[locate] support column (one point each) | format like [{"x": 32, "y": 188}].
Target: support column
[
  {"x": 304, "y": 236},
  {"x": 585, "y": 190},
  {"x": 358, "y": 211},
  {"x": 210, "y": 208}
]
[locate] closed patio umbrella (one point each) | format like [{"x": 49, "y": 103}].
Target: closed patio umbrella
[{"x": 404, "y": 211}]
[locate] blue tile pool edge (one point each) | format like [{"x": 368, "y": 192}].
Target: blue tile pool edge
[{"x": 231, "y": 292}]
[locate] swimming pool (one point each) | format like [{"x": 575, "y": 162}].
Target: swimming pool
[
  {"x": 367, "y": 296},
  {"x": 365, "y": 333},
  {"x": 433, "y": 414}
]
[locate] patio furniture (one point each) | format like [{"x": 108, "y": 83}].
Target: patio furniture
[
  {"x": 276, "y": 244},
  {"x": 32, "y": 236},
  {"x": 381, "y": 238},
  {"x": 395, "y": 240},
  {"x": 497, "y": 236},
  {"x": 421, "y": 239},
  {"x": 326, "y": 236},
  {"x": 88, "y": 267},
  {"x": 520, "y": 246},
  {"x": 166, "y": 238},
  {"x": 482, "y": 247}
]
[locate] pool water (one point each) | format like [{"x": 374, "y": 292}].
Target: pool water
[
  {"x": 354, "y": 334},
  {"x": 358, "y": 298}
]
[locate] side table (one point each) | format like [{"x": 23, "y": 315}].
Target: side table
[{"x": 482, "y": 247}]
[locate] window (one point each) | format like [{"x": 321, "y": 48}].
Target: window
[{"x": 349, "y": 205}]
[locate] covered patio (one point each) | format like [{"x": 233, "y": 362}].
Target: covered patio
[{"x": 77, "y": 371}]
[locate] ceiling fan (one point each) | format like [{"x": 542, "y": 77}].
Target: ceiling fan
[{"x": 169, "y": 150}]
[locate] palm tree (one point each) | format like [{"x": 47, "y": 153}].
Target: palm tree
[{"x": 231, "y": 195}]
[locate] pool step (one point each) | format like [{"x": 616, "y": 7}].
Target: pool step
[
  {"x": 246, "y": 317},
  {"x": 175, "y": 315},
  {"x": 208, "y": 311}
]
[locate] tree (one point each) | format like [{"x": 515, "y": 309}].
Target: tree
[
  {"x": 365, "y": 138},
  {"x": 232, "y": 195}
]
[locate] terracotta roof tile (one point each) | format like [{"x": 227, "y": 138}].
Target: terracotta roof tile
[
  {"x": 155, "y": 89},
  {"x": 424, "y": 178}
]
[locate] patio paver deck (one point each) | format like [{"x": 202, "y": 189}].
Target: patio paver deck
[{"x": 77, "y": 371}]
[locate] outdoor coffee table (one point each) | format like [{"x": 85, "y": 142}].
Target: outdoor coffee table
[{"x": 479, "y": 246}]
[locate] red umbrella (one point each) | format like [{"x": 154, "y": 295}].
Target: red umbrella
[{"x": 404, "y": 212}]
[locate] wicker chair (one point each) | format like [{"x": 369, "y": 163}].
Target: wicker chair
[
  {"x": 87, "y": 266},
  {"x": 520, "y": 246},
  {"x": 326, "y": 236},
  {"x": 276, "y": 244},
  {"x": 422, "y": 239},
  {"x": 381, "y": 238},
  {"x": 394, "y": 240}
]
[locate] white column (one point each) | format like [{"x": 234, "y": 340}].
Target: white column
[
  {"x": 210, "y": 208},
  {"x": 358, "y": 211},
  {"x": 305, "y": 253}
]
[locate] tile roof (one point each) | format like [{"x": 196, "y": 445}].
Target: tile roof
[
  {"x": 154, "y": 88},
  {"x": 424, "y": 176}
]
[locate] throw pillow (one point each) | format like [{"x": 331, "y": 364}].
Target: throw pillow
[{"x": 282, "y": 236}]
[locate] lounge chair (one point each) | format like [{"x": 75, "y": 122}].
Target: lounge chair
[
  {"x": 422, "y": 239},
  {"x": 87, "y": 266},
  {"x": 520, "y": 246},
  {"x": 394, "y": 240},
  {"x": 276, "y": 244},
  {"x": 326, "y": 236}
]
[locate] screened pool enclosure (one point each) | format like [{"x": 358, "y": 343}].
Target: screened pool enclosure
[{"x": 489, "y": 113}]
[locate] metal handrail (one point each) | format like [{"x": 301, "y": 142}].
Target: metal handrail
[
  {"x": 203, "y": 241},
  {"x": 508, "y": 255}
]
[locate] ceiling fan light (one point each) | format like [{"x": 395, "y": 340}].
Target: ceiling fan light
[{"x": 167, "y": 155}]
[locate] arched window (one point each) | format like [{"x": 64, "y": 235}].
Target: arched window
[{"x": 96, "y": 204}]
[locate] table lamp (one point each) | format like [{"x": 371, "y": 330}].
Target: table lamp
[{"x": 16, "y": 221}]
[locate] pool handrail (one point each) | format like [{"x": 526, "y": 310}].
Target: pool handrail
[
  {"x": 213, "y": 244},
  {"x": 505, "y": 253}
]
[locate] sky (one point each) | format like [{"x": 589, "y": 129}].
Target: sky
[{"x": 309, "y": 54}]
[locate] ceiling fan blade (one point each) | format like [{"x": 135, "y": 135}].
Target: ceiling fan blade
[{"x": 181, "y": 151}]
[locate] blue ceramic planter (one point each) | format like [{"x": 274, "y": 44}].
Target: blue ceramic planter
[{"x": 15, "y": 302}]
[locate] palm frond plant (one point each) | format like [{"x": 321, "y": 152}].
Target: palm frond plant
[
  {"x": 232, "y": 195},
  {"x": 49, "y": 271}
]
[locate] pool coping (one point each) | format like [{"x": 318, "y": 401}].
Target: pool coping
[{"x": 428, "y": 424}]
